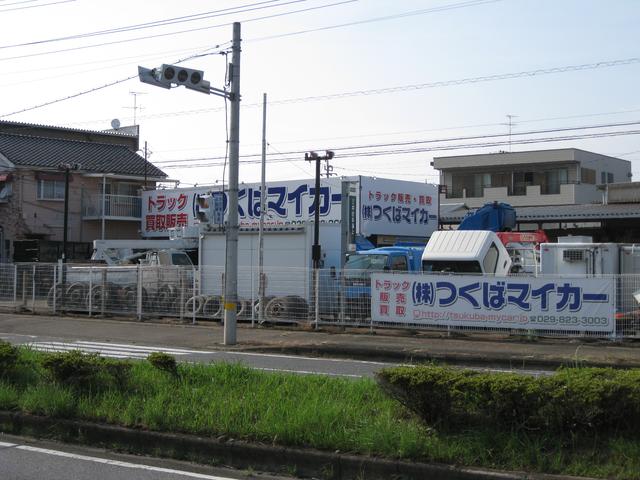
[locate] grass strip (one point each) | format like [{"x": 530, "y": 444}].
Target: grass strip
[{"x": 349, "y": 416}]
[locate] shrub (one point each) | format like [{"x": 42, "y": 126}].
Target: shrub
[
  {"x": 431, "y": 392},
  {"x": 9, "y": 356},
  {"x": 164, "y": 362},
  {"x": 570, "y": 401},
  {"x": 86, "y": 371}
]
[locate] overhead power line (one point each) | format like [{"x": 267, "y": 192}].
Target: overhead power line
[
  {"x": 418, "y": 86},
  {"x": 420, "y": 149},
  {"x": 428, "y": 141},
  {"x": 2, "y": 10},
  {"x": 95, "y": 89},
  {"x": 158, "y": 23},
  {"x": 442, "y": 8},
  {"x": 167, "y": 34},
  {"x": 462, "y": 81}
]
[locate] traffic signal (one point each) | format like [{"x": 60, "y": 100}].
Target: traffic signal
[
  {"x": 203, "y": 208},
  {"x": 166, "y": 76}
]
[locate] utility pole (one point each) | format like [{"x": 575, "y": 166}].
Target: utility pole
[
  {"x": 316, "y": 251},
  {"x": 231, "y": 276},
  {"x": 65, "y": 227},
  {"x": 145, "y": 164},
  {"x": 66, "y": 167},
  {"x": 263, "y": 201},
  {"x": 168, "y": 76}
]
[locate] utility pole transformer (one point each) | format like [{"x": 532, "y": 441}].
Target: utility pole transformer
[{"x": 231, "y": 277}]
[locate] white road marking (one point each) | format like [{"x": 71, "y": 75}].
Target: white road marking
[
  {"x": 10, "y": 335},
  {"x": 307, "y": 372},
  {"x": 116, "y": 463},
  {"x": 108, "y": 350},
  {"x": 178, "y": 351}
]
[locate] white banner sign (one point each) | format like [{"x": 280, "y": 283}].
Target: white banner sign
[
  {"x": 289, "y": 202},
  {"x": 529, "y": 303},
  {"x": 404, "y": 208}
]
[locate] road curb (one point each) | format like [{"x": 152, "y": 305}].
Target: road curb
[
  {"x": 496, "y": 360},
  {"x": 243, "y": 455}
]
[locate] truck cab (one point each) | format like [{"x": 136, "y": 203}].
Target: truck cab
[
  {"x": 360, "y": 265},
  {"x": 164, "y": 257},
  {"x": 466, "y": 252}
]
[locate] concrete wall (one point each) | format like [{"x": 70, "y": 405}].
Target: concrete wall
[{"x": 621, "y": 169}]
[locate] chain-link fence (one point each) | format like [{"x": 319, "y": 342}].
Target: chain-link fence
[{"x": 279, "y": 295}]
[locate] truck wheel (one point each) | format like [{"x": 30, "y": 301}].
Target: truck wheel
[
  {"x": 212, "y": 307},
  {"x": 96, "y": 298},
  {"x": 194, "y": 305},
  {"x": 165, "y": 300},
  {"x": 75, "y": 296},
  {"x": 130, "y": 297},
  {"x": 277, "y": 309},
  {"x": 256, "y": 306},
  {"x": 243, "y": 309},
  {"x": 297, "y": 307},
  {"x": 57, "y": 289}
]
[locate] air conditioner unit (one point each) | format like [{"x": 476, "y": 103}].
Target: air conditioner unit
[{"x": 573, "y": 255}]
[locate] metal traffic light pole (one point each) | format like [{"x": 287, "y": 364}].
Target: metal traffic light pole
[{"x": 168, "y": 76}]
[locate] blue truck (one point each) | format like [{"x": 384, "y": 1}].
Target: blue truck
[{"x": 402, "y": 257}]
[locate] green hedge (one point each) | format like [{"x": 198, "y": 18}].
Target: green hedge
[{"x": 570, "y": 400}]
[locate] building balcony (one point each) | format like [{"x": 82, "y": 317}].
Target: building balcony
[
  {"x": 112, "y": 207},
  {"x": 567, "y": 194}
]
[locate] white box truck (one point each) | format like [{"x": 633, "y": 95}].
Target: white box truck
[{"x": 378, "y": 209}]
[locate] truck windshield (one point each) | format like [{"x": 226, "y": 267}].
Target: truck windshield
[
  {"x": 180, "y": 259},
  {"x": 366, "y": 262},
  {"x": 451, "y": 266}
]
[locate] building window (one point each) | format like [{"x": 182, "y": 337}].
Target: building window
[
  {"x": 552, "y": 181},
  {"x": 50, "y": 190},
  {"x": 5, "y": 189},
  {"x": 588, "y": 175},
  {"x": 521, "y": 180},
  {"x": 606, "y": 177}
]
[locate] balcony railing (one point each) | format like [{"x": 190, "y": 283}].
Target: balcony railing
[{"x": 123, "y": 207}]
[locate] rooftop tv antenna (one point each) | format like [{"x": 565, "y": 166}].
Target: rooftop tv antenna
[{"x": 135, "y": 104}]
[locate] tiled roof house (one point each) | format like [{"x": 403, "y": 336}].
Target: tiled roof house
[{"x": 106, "y": 175}]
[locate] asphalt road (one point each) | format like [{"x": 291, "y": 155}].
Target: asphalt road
[
  {"x": 26, "y": 459},
  {"x": 259, "y": 361}
]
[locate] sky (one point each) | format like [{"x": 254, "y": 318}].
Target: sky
[{"x": 386, "y": 85}]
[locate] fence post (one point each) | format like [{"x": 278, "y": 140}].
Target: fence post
[
  {"x": 90, "y": 294},
  {"x": 33, "y": 289},
  {"x": 316, "y": 287},
  {"x": 253, "y": 302},
  {"x": 341, "y": 296},
  {"x": 15, "y": 284},
  {"x": 103, "y": 292},
  {"x": 181, "y": 284},
  {"x": 139, "y": 293},
  {"x": 195, "y": 294},
  {"x": 55, "y": 287},
  {"x": 24, "y": 290},
  {"x": 616, "y": 304}
]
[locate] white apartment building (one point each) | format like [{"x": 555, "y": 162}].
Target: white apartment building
[{"x": 564, "y": 176}]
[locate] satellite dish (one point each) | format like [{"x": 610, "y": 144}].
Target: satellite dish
[{"x": 115, "y": 124}]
